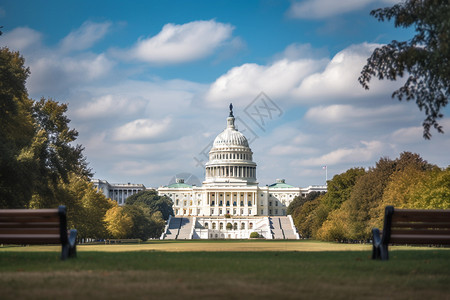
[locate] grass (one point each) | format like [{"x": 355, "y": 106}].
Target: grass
[{"x": 105, "y": 272}]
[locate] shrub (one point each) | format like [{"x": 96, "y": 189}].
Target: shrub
[{"x": 254, "y": 235}]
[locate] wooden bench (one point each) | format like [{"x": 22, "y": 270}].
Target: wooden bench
[
  {"x": 411, "y": 226},
  {"x": 38, "y": 226}
]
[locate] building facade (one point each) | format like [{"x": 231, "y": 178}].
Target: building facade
[
  {"x": 230, "y": 186},
  {"x": 117, "y": 191}
]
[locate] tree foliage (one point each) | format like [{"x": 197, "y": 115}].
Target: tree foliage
[
  {"x": 300, "y": 200},
  {"x": 424, "y": 59},
  {"x": 153, "y": 201},
  {"x": 36, "y": 142},
  {"x": 118, "y": 222},
  {"x": 355, "y": 200},
  {"x": 16, "y": 131}
]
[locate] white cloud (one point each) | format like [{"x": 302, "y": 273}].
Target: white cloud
[
  {"x": 300, "y": 75},
  {"x": 85, "y": 36},
  {"x": 58, "y": 74},
  {"x": 21, "y": 39},
  {"x": 110, "y": 105},
  {"x": 321, "y": 9},
  {"x": 278, "y": 80},
  {"x": 363, "y": 153},
  {"x": 142, "y": 130},
  {"x": 340, "y": 78},
  {"x": 349, "y": 114},
  {"x": 408, "y": 135},
  {"x": 182, "y": 43}
]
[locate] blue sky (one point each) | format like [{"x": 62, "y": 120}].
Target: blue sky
[{"x": 149, "y": 83}]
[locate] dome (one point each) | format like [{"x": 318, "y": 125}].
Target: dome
[
  {"x": 230, "y": 158},
  {"x": 230, "y": 137}
]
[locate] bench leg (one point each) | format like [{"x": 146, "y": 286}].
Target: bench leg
[
  {"x": 384, "y": 255},
  {"x": 64, "y": 252},
  {"x": 375, "y": 252}
]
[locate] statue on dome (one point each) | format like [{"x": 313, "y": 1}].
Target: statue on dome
[{"x": 231, "y": 110}]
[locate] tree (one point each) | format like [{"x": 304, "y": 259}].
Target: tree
[
  {"x": 153, "y": 201},
  {"x": 16, "y": 131},
  {"x": 300, "y": 200},
  {"x": 425, "y": 58},
  {"x": 118, "y": 222},
  {"x": 367, "y": 194}
]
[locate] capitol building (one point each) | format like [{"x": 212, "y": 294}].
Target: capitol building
[{"x": 229, "y": 203}]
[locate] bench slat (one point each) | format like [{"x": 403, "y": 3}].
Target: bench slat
[
  {"x": 415, "y": 231},
  {"x": 420, "y": 239},
  {"x": 30, "y": 238},
  {"x": 37, "y": 230},
  {"x": 421, "y": 225},
  {"x": 28, "y": 225},
  {"x": 29, "y": 219},
  {"x": 403, "y": 215}
]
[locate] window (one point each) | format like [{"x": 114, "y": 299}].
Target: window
[
  {"x": 242, "y": 203},
  {"x": 242, "y": 226},
  {"x": 220, "y": 203},
  {"x": 213, "y": 225},
  {"x": 206, "y": 225},
  {"x": 221, "y": 225},
  {"x": 249, "y": 203},
  {"x": 276, "y": 203},
  {"x": 228, "y": 203},
  {"x": 276, "y": 211},
  {"x": 250, "y": 226}
]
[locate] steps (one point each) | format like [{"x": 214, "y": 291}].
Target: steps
[
  {"x": 179, "y": 229},
  {"x": 282, "y": 228}
]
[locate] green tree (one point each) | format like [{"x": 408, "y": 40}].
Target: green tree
[
  {"x": 57, "y": 156},
  {"x": 425, "y": 58},
  {"x": 300, "y": 200},
  {"x": 146, "y": 223},
  {"x": 153, "y": 201},
  {"x": 16, "y": 132},
  {"x": 306, "y": 218}
]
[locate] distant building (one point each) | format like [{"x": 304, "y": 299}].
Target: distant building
[
  {"x": 117, "y": 191},
  {"x": 230, "y": 185},
  {"x": 229, "y": 203}
]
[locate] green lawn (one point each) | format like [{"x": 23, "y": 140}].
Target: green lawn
[{"x": 37, "y": 272}]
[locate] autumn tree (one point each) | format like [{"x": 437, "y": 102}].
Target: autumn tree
[
  {"x": 368, "y": 192},
  {"x": 118, "y": 222},
  {"x": 298, "y": 201},
  {"x": 424, "y": 59}
]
